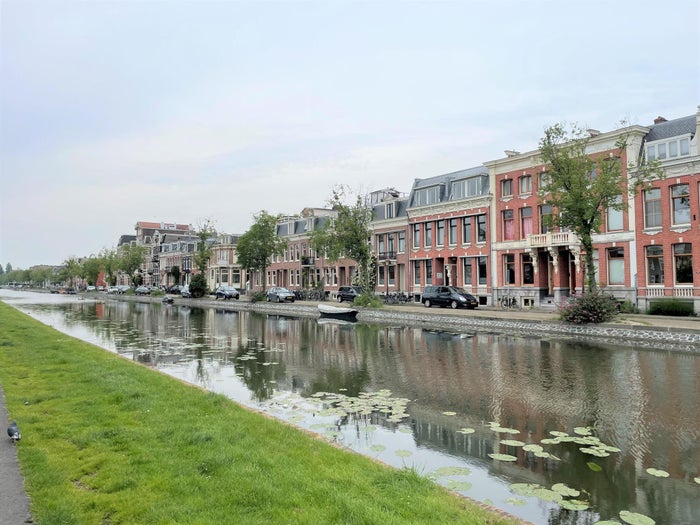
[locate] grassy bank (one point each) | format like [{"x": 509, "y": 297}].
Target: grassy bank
[{"x": 107, "y": 441}]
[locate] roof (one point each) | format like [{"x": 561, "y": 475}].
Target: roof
[
  {"x": 672, "y": 128},
  {"x": 449, "y": 177}
]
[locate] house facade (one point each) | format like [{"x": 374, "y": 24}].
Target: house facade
[{"x": 389, "y": 240}]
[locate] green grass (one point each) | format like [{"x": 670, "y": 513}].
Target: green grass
[{"x": 108, "y": 441}]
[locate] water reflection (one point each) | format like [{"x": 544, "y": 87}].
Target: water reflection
[{"x": 643, "y": 402}]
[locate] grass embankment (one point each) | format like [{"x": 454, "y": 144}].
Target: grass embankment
[{"x": 107, "y": 441}]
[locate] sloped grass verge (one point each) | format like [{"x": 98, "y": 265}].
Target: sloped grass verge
[{"x": 107, "y": 441}]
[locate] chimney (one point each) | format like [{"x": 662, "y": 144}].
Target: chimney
[
  {"x": 511, "y": 153},
  {"x": 659, "y": 120},
  {"x": 593, "y": 132}
]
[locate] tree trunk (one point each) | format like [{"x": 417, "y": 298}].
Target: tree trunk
[{"x": 587, "y": 243}]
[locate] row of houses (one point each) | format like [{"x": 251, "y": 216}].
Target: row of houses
[{"x": 485, "y": 229}]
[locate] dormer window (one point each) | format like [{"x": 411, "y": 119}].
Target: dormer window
[
  {"x": 471, "y": 187},
  {"x": 669, "y": 149},
  {"x": 426, "y": 196},
  {"x": 389, "y": 210}
]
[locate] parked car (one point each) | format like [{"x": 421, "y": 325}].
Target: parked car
[
  {"x": 185, "y": 291},
  {"x": 142, "y": 290},
  {"x": 227, "y": 292},
  {"x": 174, "y": 289},
  {"x": 452, "y": 296},
  {"x": 348, "y": 293},
  {"x": 278, "y": 294},
  {"x": 123, "y": 288},
  {"x": 90, "y": 289}
]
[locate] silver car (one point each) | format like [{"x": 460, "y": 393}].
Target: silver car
[{"x": 277, "y": 294}]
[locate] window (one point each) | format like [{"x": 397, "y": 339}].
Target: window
[
  {"x": 544, "y": 179},
  {"x": 439, "y": 233},
  {"x": 509, "y": 268},
  {"x": 525, "y": 222},
  {"x": 380, "y": 243},
  {"x": 507, "y": 188},
  {"x": 416, "y": 272},
  {"x": 652, "y": 208},
  {"x": 428, "y": 234},
  {"x": 508, "y": 225},
  {"x": 428, "y": 271},
  {"x": 392, "y": 276},
  {"x": 402, "y": 242},
  {"x": 615, "y": 216},
  {"x": 683, "y": 263},
  {"x": 467, "y": 230},
  {"x": 681, "y": 204},
  {"x": 416, "y": 235},
  {"x": 655, "y": 265},
  {"x": 525, "y": 184},
  {"x": 389, "y": 211},
  {"x": 482, "y": 270},
  {"x": 528, "y": 269},
  {"x": 467, "y": 270},
  {"x": 545, "y": 218},
  {"x": 453, "y": 232},
  {"x": 390, "y": 239},
  {"x": 426, "y": 196},
  {"x": 670, "y": 149},
  {"x": 616, "y": 266},
  {"x": 481, "y": 228},
  {"x": 471, "y": 187},
  {"x": 380, "y": 279}
]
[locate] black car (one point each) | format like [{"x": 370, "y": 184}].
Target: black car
[
  {"x": 227, "y": 292},
  {"x": 452, "y": 296},
  {"x": 348, "y": 293}
]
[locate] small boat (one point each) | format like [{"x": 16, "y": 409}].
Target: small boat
[
  {"x": 337, "y": 312},
  {"x": 168, "y": 300}
]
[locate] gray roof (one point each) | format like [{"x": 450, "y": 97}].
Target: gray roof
[
  {"x": 400, "y": 209},
  {"x": 449, "y": 177},
  {"x": 672, "y": 128}
]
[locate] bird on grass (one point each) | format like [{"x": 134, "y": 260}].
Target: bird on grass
[{"x": 13, "y": 432}]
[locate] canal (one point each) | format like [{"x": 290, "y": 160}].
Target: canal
[{"x": 552, "y": 431}]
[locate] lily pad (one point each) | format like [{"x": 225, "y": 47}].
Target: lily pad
[
  {"x": 547, "y": 495},
  {"x": 512, "y": 443},
  {"x": 466, "y": 431},
  {"x": 696, "y": 480},
  {"x": 377, "y": 448},
  {"x": 533, "y": 448},
  {"x": 594, "y": 466},
  {"x": 583, "y": 431},
  {"x": 505, "y": 430},
  {"x": 452, "y": 471},
  {"x": 403, "y": 453},
  {"x": 516, "y": 501},
  {"x": 565, "y": 490},
  {"x": 503, "y": 457},
  {"x": 449, "y": 413},
  {"x": 550, "y": 441},
  {"x": 458, "y": 485},
  {"x": 525, "y": 489},
  {"x": 658, "y": 473},
  {"x": 634, "y": 518},
  {"x": 574, "y": 504},
  {"x": 594, "y": 452},
  {"x": 558, "y": 434},
  {"x": 607, "y": 522}
]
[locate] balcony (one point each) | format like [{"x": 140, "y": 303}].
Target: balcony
[
  {"x": 550, "y": 239},
  {"x": 386, "y": 256}
]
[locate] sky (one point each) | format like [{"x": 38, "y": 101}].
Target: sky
[{"x": 113, "y": 112}]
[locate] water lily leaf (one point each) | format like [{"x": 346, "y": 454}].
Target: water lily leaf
[
  {"x": 547, "y": 495},
  {"x": 583, "y": 431},
  {"x": 634, "y": 518},
  {"x": 533, "y": 448},
  {"x": 556, "y": 433},
  {"x": 607, "y": 522},
  {"x": 565, "y": 490},
  {"x": 543, "y": 455},
  {"x": 594, "y": 452},
  {"x": 594, "y": 466},
  {"x": 696, "y": 480},
  {"x": 466, "y": 431},
  {"x": 550, "y": 441},
  {"x": 525, "y": 489},
  {"x": 574, "y": 504},
  {"x": 458, "y": 485},
  {"x": 516, "y": 501},
  {"x": 403, "y": 453},
  {"x": 658, "y": 473},
  {"x": 503, "y": 457},
  {"x": 505, "y": 430},
  {"x": 452, "y": 471},
  {"x": 449, "y": 413},
  {"x": 377, "y": 448},
  {"x": 512, "y": 442}
]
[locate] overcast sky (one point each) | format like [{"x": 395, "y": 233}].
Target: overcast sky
[{"x": 182, "y": 111}]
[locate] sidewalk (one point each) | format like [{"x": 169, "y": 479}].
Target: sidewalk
[{"x": 14, "y": 503}]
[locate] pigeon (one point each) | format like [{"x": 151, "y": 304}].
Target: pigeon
[{"x": 13, "y": 432}]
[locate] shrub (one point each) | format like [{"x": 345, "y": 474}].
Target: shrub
[
  {"x": 671, "y": 306},
  {"x": 258, "y": 296},
  {"x": 198, "y": 285},
  {"x": 589, "y": 308},
  {"x": 367, "y": 298},
  {"x": 628, "y": 307}
]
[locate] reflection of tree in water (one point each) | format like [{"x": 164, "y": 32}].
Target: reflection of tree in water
[
  {"x": 258, "y": 377},
  {"x": 350, "y": 382}
]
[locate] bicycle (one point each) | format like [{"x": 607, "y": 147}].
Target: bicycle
[{"x": 509, "y": 301}]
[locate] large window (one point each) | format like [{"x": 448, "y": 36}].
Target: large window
[
  {"x": 615, "y": 216},
  {"x": 453, "y": 232},
  {"x": 652, "y": 208},
  {"x": 525, "y": 184},
  {"x": 402, "y": 242},
  {"x": 677, "y": 147},
  {"x": 655, "y": 264},
  {"x": 616, "y": 266},
  {"x": 683, "y": 263},
  {"x": 508, "y": 225},
  {"x": 416, "y": 272},
  {"x": 467, "y": 230},
  {"x": 428, "y": 234},
  {"x": 507, "y": 188},
  {"x": 428, "y": 271},
  {"x": 467, "y": 270},
  {"x": 545, "y": 218},
  {"x": 439, "y": 233},
  {"x": 416, "y": 235},
  {"x": 481, "y": 228},
  {"x": 471, "y": 187},
  {"x": 528, "y": 269},
  {"x": 482, "y": 270},
  {"x": 426, "y": 196},
  {"x": 509, "y": 268},
  {"x": 680, "y": 198},
  {"x": 525, "y": 222}
]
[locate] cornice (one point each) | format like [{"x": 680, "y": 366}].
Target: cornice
[{"x": 451, "y": 206}]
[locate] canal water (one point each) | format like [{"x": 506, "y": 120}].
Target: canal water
[{"x": 552, "y": 431}]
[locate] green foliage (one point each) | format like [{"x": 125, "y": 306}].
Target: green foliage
[
  {"x": 176, "y": 273},
  {"x": 130, "y": 259},
  {"x": 591, "y": 307},
  {"x": 628, "y": 307},
  {"x": 671, "y": 306},
  {"x": 92, "y": 267},
  {"x": 369, "y": 300},
  {"x": 198, "y": 285},
  {"x": 258, "y": 296},
  {"x": 347, "y": 235},
  {"x": 260, "y": 243},
  {"x": 205, "y": 234}
]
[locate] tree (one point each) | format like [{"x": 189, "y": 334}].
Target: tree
[
  {"x": 92, "y": 267},
  {"x": 130, "y": 260},
  {"x": 259, "y": 244},
  {"x": 581, "y": 186},
  {"x": 203, "y": 254},
  {"x": 348, "y": 235},
  {"x": 71, "y": 269},
  {"x": 175, "y": 272},
  {"x": 109, "y": 262},
  {"x": 8, "y": 268}
]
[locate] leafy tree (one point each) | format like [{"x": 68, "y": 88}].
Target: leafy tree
[
  {"x": 109, "y": 262},
  {"x": 2, "y": 270},
  {"x": 198, "y": 285},
  {"x": 40, "y": 276},
  {"x": 70, "y": 271},
  {"x": 581, "y": 186},
  {"x": 203, "y": 254},
  {"x": 130, "y": 259},
  {"x": 348, "y": 235},
  {"x": 259, "y": 244},
  {"x": 92, "y": 267},
  {"x": 8, "y": 268},
  {"x": 175, "y": 272}
]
